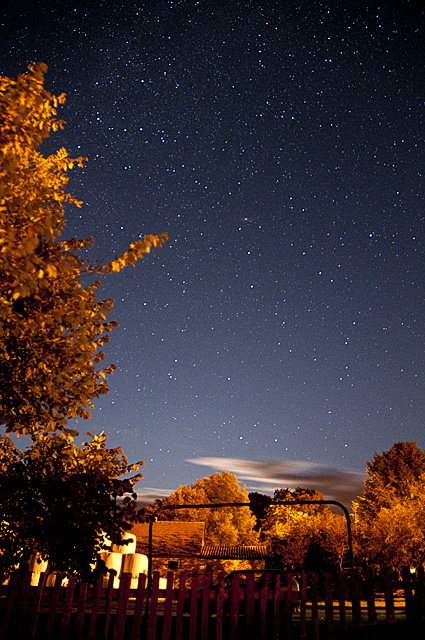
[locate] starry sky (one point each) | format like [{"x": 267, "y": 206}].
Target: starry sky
[{"x": 280, "y": 332}]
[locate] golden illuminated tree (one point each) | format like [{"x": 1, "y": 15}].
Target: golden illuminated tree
[
  {"x": 305, "y": 536},
  {"x": 52, "y": 327},
  {"x": 390, "y": 513},
  {"x": 60, "y": 500},
  {"x": 223, "y": 526},
  {"x": 56, "y": 498}
]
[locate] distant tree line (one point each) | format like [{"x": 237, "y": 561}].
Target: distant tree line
[{"x": 388, "y": 520}]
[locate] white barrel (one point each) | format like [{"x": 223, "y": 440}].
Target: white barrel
[
  {"x": 135, "y": 563},
  {"x": 112, "y": 561},
  {"x": 126, "y": 548}
]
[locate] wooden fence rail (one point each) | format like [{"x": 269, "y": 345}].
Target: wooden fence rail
[{"x": 192, "y": 607}]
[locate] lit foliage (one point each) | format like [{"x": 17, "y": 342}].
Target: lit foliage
[
  {"x": 57, "y": 499},
  {"x": 224, "y": 526},
  {"x": 306, "y": 536},
  {"x": 52, "y": 327},
  {"x": 390, "y": 514},
  {"x": 393, "y": 476}
]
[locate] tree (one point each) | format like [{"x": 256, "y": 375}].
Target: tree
[
  {"x": 259, "y": 503},
  {"x": 223, "y": 526},
  {"x": 305, "y": 536},
  {"x": 51, "y": 326},
  {"x": 56, "y": 498},
  {"x": 390, "y": 513},
  {"x": 60, "y": 500},
  {"x": 393, "y": 477}
]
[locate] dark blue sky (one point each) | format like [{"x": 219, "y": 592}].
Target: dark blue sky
[{"x": 281, "y": 146}]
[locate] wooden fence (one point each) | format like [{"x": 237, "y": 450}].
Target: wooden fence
[{"x": 192, "y": 607}]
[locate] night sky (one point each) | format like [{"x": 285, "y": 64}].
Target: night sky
[{"x": 280, "y": 332}]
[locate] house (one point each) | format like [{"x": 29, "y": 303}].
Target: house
[{"x": 180, "y": 546}]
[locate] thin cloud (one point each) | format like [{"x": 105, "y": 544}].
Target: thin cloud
[
  {"x": 151, "y": 494},
  {"x": 333, "y": 483}
]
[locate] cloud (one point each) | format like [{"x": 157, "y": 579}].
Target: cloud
[
  {"x": 333, "y": 483},
  {"x": 151, "y": 494}
]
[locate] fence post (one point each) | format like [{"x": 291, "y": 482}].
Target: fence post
[
  {"x": 95, "y": 607},
  {"x": 370, "y": 598},
  {"x": 138, "y": 607},
  {"x": 408, "y": 592},
  {"x": 341, "y": 602},
  {"x": 314, "y": 604},
  {"x": 121, "y": 614},
  {"x": 355, "y": 598},
  {"x": 329, "y": 614},
  {"x": 420, "y": 592},
  {"x": 67, "y": 607},
  {"x": 389, "y": 596}
]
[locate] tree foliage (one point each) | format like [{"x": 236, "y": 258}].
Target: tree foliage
[
  {"x": 393, "y": 477},
  {"x": 304, "y": 536},
  {"x": 60, "y": 500},
  {"x": 56, "y": 497},
  {"x": 52, "y": 328},
  {"x": 390, "y": 513},
  {"x": 224, "y": 526}
]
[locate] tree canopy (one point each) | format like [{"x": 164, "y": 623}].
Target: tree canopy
[
  {"x": 393, "y": 476},
  {"x": 224, "y": 526},
  {"x": 61, "y": 500},
  {"x": 390, "y": 513},
  {"x": 56, "y": 498},
  {"x": 52, "y": 327},
  {"x": 304, "y": 536}
]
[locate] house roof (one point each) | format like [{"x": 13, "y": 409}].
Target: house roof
[
  {"x": 238, "y": 552},
  {"x": 172, "y": 538},
  {"x": 175, "y": 538}
]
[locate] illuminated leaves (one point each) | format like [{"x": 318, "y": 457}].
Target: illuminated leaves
[
  {"x": 59, "y": 499},
  {"x": 52, "y": 326},
  {"x": 224, "y": 526}
]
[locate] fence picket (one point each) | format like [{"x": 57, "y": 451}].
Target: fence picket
[
  {"x": 220, "y": 607},
  {"x": 108, "y": 603},
  {"x": 138, "y": 608},
  {"x": 356, "y": 607},
  {"x": 168, "y": 608},
  {"x": 9, "y": 604},
  {"x": 250, "y": 605},
  {"x": 303, "y": 606},
  {"x": 66, "y": 616},
  {"x": 370, "y": 599},
  {"x": 389, "y": 597},
  {"x": 408, "y": 592},
  {"x": 121, "y": 614},
  {"x": 194, "y": 596},
  {"x": 205, "y": 605},
  {"x": 81, "y": 609},
  {"x": 276, "y": 607},
  {"x": 329, "y": 613},
  {"x": 53, "y": 606},
  {"x": 263, "y": 607},
  {"x": 250, "y": 610},
  {"x": 341, "y": 603},
  {"x": 153, "y": 607},
  {"x": 315, "y": 604},
  {"x": 36, "y": 606},
  {"x": 420, "y": 592},
  {"x": 180, "y": 606},
  {"x": 97, "y": 594},
  {"x": 23, "y": 602}
]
